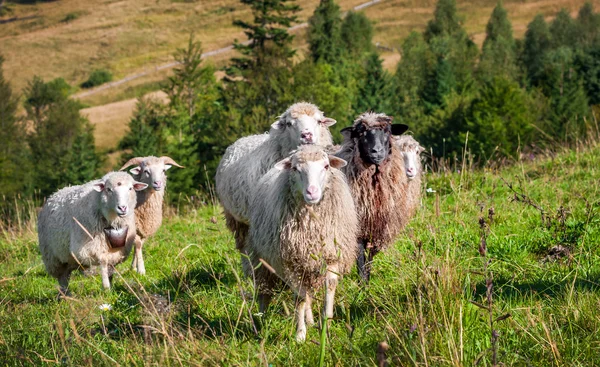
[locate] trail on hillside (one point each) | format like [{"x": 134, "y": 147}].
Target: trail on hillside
[{"x": 172, "y": 64}]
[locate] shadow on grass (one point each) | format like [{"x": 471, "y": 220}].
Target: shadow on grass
[{"x": 17, "y": 19}]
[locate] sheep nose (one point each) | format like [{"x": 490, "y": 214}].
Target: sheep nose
[
  {"x": 122, "y": 208},
  {"x": 312, "y": 190},
  {"x": 306, "y": 136},
  {"x": 410, "y": 170},
  {"x": 157, "y": 183}
]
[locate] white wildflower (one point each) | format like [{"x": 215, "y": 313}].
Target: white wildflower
[
  {"x": 429, "y": 189},
  {"x": 105, "y": 307}
]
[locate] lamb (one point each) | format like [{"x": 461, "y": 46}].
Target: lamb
[
  {"x": 88, "y": 225},
  {"x": 148, "y": 212},
  {"x": 377, "y": 180},
  {"x": 411, "y": 153},
  {"x": 249, "y": 158},
  {"x": 303, "y": 224}
]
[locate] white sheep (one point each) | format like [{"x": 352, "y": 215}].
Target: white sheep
[
  {"x": 148, "y": 212},
  {"x": 87, "y": 225},
  {"x": 411, "y": 153},
  {"x": 303, "y": 224},
  {"x": 249, "y": 158}
]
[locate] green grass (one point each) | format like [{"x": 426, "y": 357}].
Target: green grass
[{"x": 418, "y": 301}]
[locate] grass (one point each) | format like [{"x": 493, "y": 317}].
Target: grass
[{"x": 194, "y": 307}]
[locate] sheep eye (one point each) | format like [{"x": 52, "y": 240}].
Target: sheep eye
[
  {"x": 108, "y": 189},
  {"x": 326, "y": 166},
  {"x": 147, "y": 173},
  {"x": 131, "y": 188},
  {"x": 295, "y": 169},
  {"x": 164, "y": 170}
]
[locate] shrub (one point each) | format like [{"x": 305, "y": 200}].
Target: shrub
[{"x": 97, "y": 77}]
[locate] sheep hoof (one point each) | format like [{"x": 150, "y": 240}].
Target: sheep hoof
[
  {"x": 301, "y": 336},
  {"x": 141, "y": 271}
]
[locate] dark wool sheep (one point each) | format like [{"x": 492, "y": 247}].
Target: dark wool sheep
[{"x": 377, "y": 179}]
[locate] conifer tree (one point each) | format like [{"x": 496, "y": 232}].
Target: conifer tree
[
  {"x": 536, "y": 44},
  {"x": 445, "y": 22},
  {"x": 146, "y": 131},
  {"x": 498, "y": 55},
  {"x": 82, "y": 162},
  {"x": 588, "y": 25},
  {"x": 563, "y": 30},
  {"x": 325, "y": 33},
  {"x": 56, "y": 125},
  {"x": 374, "y": 92},
  {"x": 15, "y": 167},
  {"x": 357, "y": 34}
]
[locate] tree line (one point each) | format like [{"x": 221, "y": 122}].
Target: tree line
[{"x": 510, "y": 97}]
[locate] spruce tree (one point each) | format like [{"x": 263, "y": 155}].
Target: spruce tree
[
  {"x": 498, "y": 55},
  {"x": 56, "y": 125},
  {"x": 588, "y": 24},
  {"x": 537, "y": 43},
  {"x": 445, "y": 22},
  {"x": 146, "y": 131},
  {"x": 267, "y": 34},
  {"x": 325, "y": 33},
  {"x": 374, "y": 92},
  {"x": 15, "y": 166},
  {"x": 587, "y": 64},
  {"x": 82, "y": 162},
  {"x": 357, "y": 34},
  {"x": 563, "y": 30}
]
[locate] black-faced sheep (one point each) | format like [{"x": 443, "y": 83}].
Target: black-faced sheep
[
  {"x": 249, "y": 158},
  {"x": 303, "y": 224},
  {"x": 148, "y": 212},
  {"x": 377, "y": 179},
  {"x": 87, "y": 225}
]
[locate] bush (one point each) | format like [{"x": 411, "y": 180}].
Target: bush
[
  {"x": 98, "y": 77},
  {"x": 70, "y": 17}
]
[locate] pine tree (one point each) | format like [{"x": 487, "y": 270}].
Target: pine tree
[
  {"x": 445, "y": 22},
  {"x": 56, "y": 125},
  {"x": 563, "y": 30},
  {"x": 587, "y": 64},
  {"x": 325, "y": 33},
  {"x": 357, "y": 34},
  {"x": 588, "y": 25},
  {"x": 498, "y": 55},
  {"x": 267, "y": 34},
  {"x": 374, "y": 90},
  {"x": 82, "y": 162},
  {"x": 15, "y": 166},
  {"x": 537, "y": 43},
  {"x": 146, "y": 131}
]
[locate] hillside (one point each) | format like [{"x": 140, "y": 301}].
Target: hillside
[
  {"x": 69, "y": 39},
  {"x": 195, "y": 308}
]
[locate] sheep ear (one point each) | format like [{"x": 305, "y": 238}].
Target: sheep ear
[
  {"x": 336, "y": 162},
  {"x": 399, "y": 129},
  {"x": 99, "y": 186},
  {"x": 276, "y": 125},
  {"x": 136, "y": 170},
  {"x": 139, "y": 186},
  {"x": 347, "y": 132},
  {"x": 284, "y": 164},
  {"x": 327, "y": 121}
]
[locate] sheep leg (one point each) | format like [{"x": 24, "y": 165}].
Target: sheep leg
[
  {"x": 331, "y": 282},
  {"x": 138, "y": 259},
  {"x": 104, "y": 274},
  {"x": 63, "y": 281},
  {"x": 310, "y": 320},
  {"x": 301, "y": 316},
  {"x": 361, "y": 262}
]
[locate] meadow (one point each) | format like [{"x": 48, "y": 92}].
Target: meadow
[{"x": 505, "y": 254}]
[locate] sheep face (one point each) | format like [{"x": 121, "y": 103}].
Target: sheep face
[
  {"x": 309, "y": 172},
  {"x": 372, "y": 134},
  {"x": 117, "y": 195},
  {"x": 152, "y": 170},
  {"x": 302, "y": 123},
  {"x": 411, "y": 154}
]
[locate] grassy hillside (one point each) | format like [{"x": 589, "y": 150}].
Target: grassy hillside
[{"x": 195, "y": 308}]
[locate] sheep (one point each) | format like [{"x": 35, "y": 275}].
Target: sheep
[
  {"x": 303, "y": 224},
  {"x": 377, "y": 179},
  {"x": 87, "y": 225},
  {"x": 246, "y": 160},
  {"x": 411, "y": 153},
  {"x": 148, "y": 212}
]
